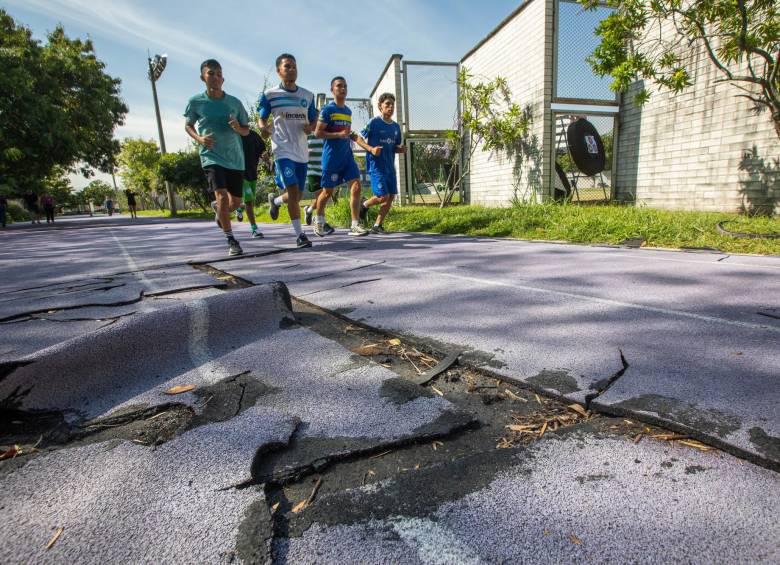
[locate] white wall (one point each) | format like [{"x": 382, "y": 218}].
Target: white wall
[
  {"x": 684, "y": 151},
  {"x": 521, "y": 52}
]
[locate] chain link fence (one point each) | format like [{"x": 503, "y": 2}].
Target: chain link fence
[
  {"x": 576, "y": 40},
  {"x": 430, "y": 95}
]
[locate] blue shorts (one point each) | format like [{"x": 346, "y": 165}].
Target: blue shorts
[
  {"x": 290, "y": 173},
  {"x": 383, "y": 184},
  {"x": 332, "y": 179}
]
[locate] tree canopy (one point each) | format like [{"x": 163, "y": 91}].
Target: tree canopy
[
  {"x": 648, "y": 39},
  {"x": 58, "y": 110}
]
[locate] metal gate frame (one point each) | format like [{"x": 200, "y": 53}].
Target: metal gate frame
[{"x": 410, "y": 135}]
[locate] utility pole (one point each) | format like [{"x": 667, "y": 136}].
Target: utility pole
[{"x": 156, "y": 67}]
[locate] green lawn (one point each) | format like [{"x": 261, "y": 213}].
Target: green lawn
[{"x": 580, "y": 224}]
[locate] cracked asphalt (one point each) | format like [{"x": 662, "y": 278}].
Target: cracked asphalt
[{"x": 608, "y": 404}]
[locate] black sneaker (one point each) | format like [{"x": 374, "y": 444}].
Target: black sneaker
[
  {"x": 303, "y": 241},
  {"x": 273, "y": 209},
  {"x": 363, "y": 211},
  {"x": 378, "y": 230},
  {"x": 234, "y": 248},
  {"x": 240, "y": 214},
  {"x": 257, "y": 234},
  {"x": 307, "y": 214},
  {"x": 329, "y": 230}
]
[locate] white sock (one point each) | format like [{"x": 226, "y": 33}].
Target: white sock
[
  {"x": 320, "y": 219},
  {"x": 278, "y": 201},
  {"x": 355, "y": 223},
  {"x": 297, "y": 226}
]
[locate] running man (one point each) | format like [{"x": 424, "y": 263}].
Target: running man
[
  {"x": 216, "y": 121},
  {"x": 313, "y": 181},
  {"x": 254, "y": 147},
  {"x": 294, "y": 115},
  {"x": 338, "y": 162},
  {"x": 381, "y": 138}
]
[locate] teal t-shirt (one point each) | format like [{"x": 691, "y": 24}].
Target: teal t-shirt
[{"x": 211, "y": 116}]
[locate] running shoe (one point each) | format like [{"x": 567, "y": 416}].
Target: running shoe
[
  {"x": 257, "y": 234},
  {"x": 273, "y": 209},
  {"x": 378, "y": 230},
  {"x": 328, "y": 229},
  {"x": 319, "y": 229},
  {"x": 239, "y": 214},
  {"x": 303, "y": 241},
  {"x": 363, "y": 211},
  {"x": 307, "y": 214},
  {"x": 358, "y": 230},
  {"x": 234, "y": 248}
]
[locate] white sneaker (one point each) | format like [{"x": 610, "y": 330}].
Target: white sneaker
[{"x": 358, "y": 230}]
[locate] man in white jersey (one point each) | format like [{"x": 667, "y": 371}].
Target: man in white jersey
[{"x": 294, "y": 117}]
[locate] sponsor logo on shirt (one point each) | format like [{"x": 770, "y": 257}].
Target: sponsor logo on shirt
[
  {"x": 294, "y": 116},
  {"x": 304, "y": 102},
  {"x": 388, "y": 140}
]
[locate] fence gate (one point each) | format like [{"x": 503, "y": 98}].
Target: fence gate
[{"x": 431, "y": 102}]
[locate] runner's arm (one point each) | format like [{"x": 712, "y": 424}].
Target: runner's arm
[
  {"x": 363, "y": 144},
  {"x": 205, "y": 141},
  {"x": 322, "y": 134}
]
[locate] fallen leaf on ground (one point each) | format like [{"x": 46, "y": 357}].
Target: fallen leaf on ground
[
  {"x": 696, "y": 444},
  {"x": 437, "y": 391},
  {"x": 436, "y": 445},
  {"x": 578, "y": 409},
  {"x": 54, "y": 538},
  {"x": 298, "y": 507},
  {"x": 539, "y": 400},
  {"x": 575, "y": 540},
  {"x": 274, "y": 508},
  {"x": 513, "y": 396},
  {"x": 544, "y": 429},
  {"x": 394, "y": 341},
  {"x": 638, "y": 438},
  {"x": 179, "y": 389},
  {"x": 10, "y": 453}
]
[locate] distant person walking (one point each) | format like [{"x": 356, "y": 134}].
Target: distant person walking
[
  {"x": 131, "y": 203},
  {"x": 3, "y": 209},
  {"x": 31, "y": 201},
  {"x": 109, "y": 204},
  {"x": 217, "y": 121},
  {"x": 47, "y": 201}
]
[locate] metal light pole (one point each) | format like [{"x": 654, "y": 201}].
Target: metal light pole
[{"x": 156, "y": 67}]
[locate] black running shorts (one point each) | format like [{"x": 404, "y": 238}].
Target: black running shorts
[{"x": 220, "y": 178}]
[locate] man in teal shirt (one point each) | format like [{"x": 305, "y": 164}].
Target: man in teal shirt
[{"x": 216, "y": 120}]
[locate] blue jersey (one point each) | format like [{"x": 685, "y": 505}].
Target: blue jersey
[
  {"x": 385, "y": 135},
  {"x": 336, "y": 153}
]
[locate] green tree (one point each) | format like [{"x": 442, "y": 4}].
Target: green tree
[
  {"x": 97, "y": 191},
  {"x": 58, "y": 109},
  {"x": 488, "y": 120},
  {"x": 183, "y": 170},
  {"x": 139, "y": 161},
  {"x": 641, "y": 40}
]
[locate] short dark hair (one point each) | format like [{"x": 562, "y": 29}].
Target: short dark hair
[
  {"x": 209, "y": 64},
  {"x": 283, "y": 56},
  {"x": 386, "y": 96},
  {"x": 334, "y": 79}
]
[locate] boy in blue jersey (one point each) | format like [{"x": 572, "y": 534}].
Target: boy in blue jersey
[
  {"x": 294, "y": 115},
  {"x": 381, "y": 138},
  {"x": 338, "y": 162},
  {"x": 216, "y": 121}
]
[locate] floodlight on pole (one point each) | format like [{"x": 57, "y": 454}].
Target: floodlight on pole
[{"x": 156, "y": 68}]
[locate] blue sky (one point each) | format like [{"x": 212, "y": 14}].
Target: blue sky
[{"x": 353, "y": 38}]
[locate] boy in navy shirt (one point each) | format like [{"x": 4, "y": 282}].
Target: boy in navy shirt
[
  {"x": 338, "y": 162},
  {"x": 381, "y": 138}
]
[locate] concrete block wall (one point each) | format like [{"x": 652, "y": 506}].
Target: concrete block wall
[
  {"x": 390, "y": 81},
  {"x": 519, "y": 50},
  {"x": 688, "y": 150}
]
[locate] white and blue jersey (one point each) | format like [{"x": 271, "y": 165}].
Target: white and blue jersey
[{"x": 291, "y": 111}]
